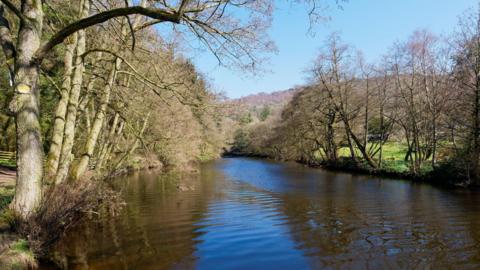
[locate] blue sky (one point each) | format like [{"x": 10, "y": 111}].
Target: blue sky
[{"x": 370, "y": 25}]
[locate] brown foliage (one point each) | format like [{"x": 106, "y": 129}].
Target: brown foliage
[{"x": 64, "y": 206}]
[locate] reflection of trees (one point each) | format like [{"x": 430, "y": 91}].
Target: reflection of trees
[
  {"x": 352, "y": 223},
  {"x": 157, "y": 228},
  {"x": 336, "y": 220},
  {"x": 321, "y": 224},
  {"x": 443, "y": 229}
]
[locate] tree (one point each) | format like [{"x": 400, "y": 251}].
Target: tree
[
  {"x": 466, "y": 109},
  {"x": 265, "y": 113},
  {"x": 421, "y": 94},
  {"x": 335, "y": 71},
  {"x": 228, "y": 36}
]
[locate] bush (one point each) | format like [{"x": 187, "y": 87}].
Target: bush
[
  {"x": 452, "y": 171},
  {"x": 6, "y": 196},
  {"x": 17, "y": 255},
  {"x": 64, "y": 206}
]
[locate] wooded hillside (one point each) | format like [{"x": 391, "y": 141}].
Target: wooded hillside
[{"x": 415, "y": 113}]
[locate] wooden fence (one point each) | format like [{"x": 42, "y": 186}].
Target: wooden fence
[{"x": 9, "y": 159}]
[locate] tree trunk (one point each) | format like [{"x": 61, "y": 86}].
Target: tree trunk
[
  {"x": 382, "y": 136},
  {"x": 25, "y": 106},
  {"x": 87, "y": 153},
  {"x": 360, "y": 146},
  {"x": 365, "y": 124},
  {"x": 434, "y": 143},
  {"x": 108, "y": 141},
  {"x": 134, "y": 146},
  {"x": 66, "y": 156},
  {"x": 331, "y": 146},
  {"x": 6, "y": 41},
  {"x": 53, "y": 156},
  {"x": 475, "y": 174},
  {"x": 92, "y": 139},
  {"x": 110, "y": 147},
  {"x": 350, "y": 145}
]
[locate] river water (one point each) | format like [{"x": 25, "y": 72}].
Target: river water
[{"x": 242, "y": 213}]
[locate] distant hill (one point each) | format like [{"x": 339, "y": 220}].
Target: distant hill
[
  {"x": 253, "y": 105},
  {"x": 270, "y": 99}
]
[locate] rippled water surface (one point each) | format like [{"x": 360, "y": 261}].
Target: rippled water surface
[{"x": 244, "y": 213}]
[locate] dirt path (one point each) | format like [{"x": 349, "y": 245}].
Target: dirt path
[{"x": 7, "y": 177}]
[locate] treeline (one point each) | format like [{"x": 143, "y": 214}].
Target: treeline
[
  {"x": 95, "y": 87},
  {"x": 91, "y": 87},
  {"x": 416, "y": 112},
  {"x": 110, "y": 99}
]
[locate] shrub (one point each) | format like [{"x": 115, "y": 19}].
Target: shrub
[
  {"x": 17, "y": 255},
  {"x": 64, "y": 206},
  {"x": 6, "y": 196},
  {"x": 452, "y": 171}
]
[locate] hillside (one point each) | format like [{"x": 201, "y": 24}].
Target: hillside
[
  {"x": 259, "y": 106},
  {"x": 269, "y": 99}
]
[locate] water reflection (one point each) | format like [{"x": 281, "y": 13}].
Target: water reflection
[
  {"x": 156, "y": 229},
  {"x": 253, "y": 214}
]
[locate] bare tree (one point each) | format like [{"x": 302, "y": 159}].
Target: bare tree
[
  {"x": 335, "y": 71},
  {"x": 227, "y": 34}
]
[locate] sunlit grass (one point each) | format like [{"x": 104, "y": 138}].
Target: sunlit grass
[
  {"x": 18, "y": 256},
  {"x": 393, "y": 157},
  {"x": 6, "y": 196},
  {"x": 9, "y": 163},
  {"x": 21, "y": 246}
]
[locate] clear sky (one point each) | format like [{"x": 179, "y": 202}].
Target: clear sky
[{"x": 370, "y": 25}]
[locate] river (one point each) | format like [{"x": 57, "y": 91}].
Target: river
[{"x": 242, "y": 213}]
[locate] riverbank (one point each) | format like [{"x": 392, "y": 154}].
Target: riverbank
[
  {"x": 17, "y": 253},
  {"x": 438, "y": 177},
  {"x": 308, "y": 218},
  {"x": 7, "y": 177},
  {"x": 14, "y": 251}
]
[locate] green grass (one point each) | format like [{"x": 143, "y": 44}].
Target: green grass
[
  {"x": 394, "y": 151},
  {"x": 6, "y": 215},
  {"x": 391, "y": 151},
  {"x": 393, "y": 157},
  {"x": 9, "y": 163},
  {"x": 6, "y": 196},
  {"x": 21, "y": 246},
  {"x": 18, "y": 256}
]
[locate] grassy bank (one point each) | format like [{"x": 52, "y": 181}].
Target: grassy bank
[
  {"x": 63, "y": 206},
  {"x": 393, "y": 161},
  {"x": 6, "y": 196},
  {"x": 15, "y": 252},
  {"x": 393, "y": 165},
  {"x": 24, "y": 241}
]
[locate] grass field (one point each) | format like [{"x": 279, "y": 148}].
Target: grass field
[
  {"x": 6, "y": 196},
  {"x": 393, "y": 157},
  {"x": 7, "y": 159}
]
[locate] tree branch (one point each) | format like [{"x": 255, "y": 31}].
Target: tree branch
[
  {"x": 6, "y": 42},
  {"x": 60, "y": 36},
  {"x": 130, "y": 25},
  {"x": 14, "y": 9},
  {"x": 182, "y": 7}
]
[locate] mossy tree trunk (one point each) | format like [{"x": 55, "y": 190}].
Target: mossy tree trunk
[
  {"x": 53, "y": 156},
  {"x": 66, "y": 156},
  {"x": 134, "y": 145},
  {"x": 25, "y": 106},
  {"x": 92, "y": 138}
]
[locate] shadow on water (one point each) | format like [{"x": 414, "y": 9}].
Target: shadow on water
[{"x": 255, "y": 214}]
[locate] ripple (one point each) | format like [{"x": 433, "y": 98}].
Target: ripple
[{"x": 253, "y": 214}]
